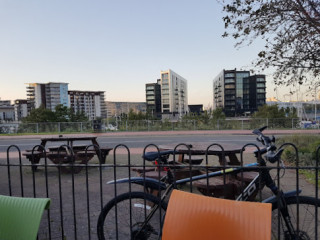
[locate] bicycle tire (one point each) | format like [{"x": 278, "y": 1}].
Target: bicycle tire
[
  {"x": 307, "y": 219},
  {"x": 116, "y": 225}
]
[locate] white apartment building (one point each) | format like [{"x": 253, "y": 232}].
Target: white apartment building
[
  {"x": 174, "y": 94},
  {"x": 6, "y": 110},
  {"x": 92, "y": 103},
  {"x": 47, "y": 94},
  {"x": 20, "y": 109}
]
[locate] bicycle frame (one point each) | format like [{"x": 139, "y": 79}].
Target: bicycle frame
[{"x": 258, "y": 182}]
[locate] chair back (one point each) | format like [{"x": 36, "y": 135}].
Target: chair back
[
  {"x": 192, "y": 216},
  {"x": 20, "y": 217}
]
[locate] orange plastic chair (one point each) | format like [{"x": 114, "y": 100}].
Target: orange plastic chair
[{"x": 192, "y": 216}]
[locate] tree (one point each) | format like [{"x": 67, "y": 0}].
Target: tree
[
  {"x": 291, "y": 30},
  {"x": 61, "y": 114},
  {"x": 40, "y": 114},
  {"x": 218, "y": 114},
  {"x": 272, "y": 111}
]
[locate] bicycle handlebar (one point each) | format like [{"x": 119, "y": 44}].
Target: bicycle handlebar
[{"x": 270, "y": 149}]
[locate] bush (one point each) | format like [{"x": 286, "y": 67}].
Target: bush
[{"x": 307, "y": 149}]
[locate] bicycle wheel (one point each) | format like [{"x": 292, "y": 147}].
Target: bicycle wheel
[
  {"x": 124, "y": 217},
  {"x": 306, "y": 225}
]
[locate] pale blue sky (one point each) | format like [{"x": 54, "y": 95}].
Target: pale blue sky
[{"x": 115, "y": 46}]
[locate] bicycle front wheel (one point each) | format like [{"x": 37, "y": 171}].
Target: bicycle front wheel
[
  {"x": 304, "y": 219},
  {"x": 135, "y": 215}
]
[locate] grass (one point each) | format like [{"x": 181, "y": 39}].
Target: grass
[{"x": 307, "y": 146}]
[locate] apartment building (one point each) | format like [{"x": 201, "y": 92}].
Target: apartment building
[
  {"x": 115, "y": 109},
  {"x": 92, "y": 103},
  {"x": 238, "y": 93},
  {"x": 174, "y": 94},
  {"x": 153, "y": 99},
  {"x": 20, "y": 109},
  {"x": 48, "y": 95},
  {"x": 6, "y": 110}
]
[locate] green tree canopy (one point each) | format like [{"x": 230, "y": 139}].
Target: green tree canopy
[
  {"x": 290, "y": 29},
  {"x": 273, "y": 111},
  {"x": 40, "y": 114},
  {"x": 61, "y": 114}
]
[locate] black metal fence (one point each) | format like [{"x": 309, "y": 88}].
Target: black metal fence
[{"x": 78, "y": 198}]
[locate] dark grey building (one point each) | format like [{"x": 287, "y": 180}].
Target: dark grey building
[
  {"x": 196, "y": 108},
  {"x": 238, "y": 93},
  {"x": 153, "y": 99}
]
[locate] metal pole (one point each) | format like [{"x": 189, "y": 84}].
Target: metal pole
[{"x": 315, "y": 104}]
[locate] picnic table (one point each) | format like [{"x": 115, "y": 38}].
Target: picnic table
[
  {"x": 226, "y": 157},
  {"x": 224, "y": 186},
  {"x": 67, "y": 152}
]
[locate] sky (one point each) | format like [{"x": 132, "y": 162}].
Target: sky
[{"x": 117, "y": 46}]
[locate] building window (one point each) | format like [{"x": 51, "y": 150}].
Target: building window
[
  {"x": 230, "y": 80},
  {"x": 229, "y": 86},
  {"x": 229, "y": 75},
  {"x": 261, "y": 84},
  {"x": 164, "y": 75}
]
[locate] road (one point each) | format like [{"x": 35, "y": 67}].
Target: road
[{"x": 140, "y": 141}]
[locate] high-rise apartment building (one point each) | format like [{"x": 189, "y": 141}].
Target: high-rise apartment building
[
  {"x": 174, "y": 93},
  {"x": 238, "y": 93},
  {"x": 92, "y": 103},
  {"x": 48, "y": 95},
  {"x": 153, "y": 99}
]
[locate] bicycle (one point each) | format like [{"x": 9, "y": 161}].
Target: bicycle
[{"x": 140, "y": 215}]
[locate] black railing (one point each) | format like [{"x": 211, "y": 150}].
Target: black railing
[{"x": 79, "y": 196}]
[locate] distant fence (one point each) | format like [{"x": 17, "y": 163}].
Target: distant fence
[
  {"x": 154, "y": 125},
  {"x": 77, "y": 199}
]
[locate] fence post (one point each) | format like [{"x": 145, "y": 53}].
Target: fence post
[
  {"x": 59, "y": 127},
  {"x": 80, "y": 126},
  {"x": 292, "y": 122},
  {"x": 37, "y": 124},
  {"x": 126, "y": 125}
]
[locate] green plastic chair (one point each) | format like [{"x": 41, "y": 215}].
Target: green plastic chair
[{"x": 20, "y": 217}]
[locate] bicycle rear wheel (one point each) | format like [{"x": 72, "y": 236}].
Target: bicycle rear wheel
[
  {"x": 124, "y": 217},
  {"x": 305, "y": 225}
]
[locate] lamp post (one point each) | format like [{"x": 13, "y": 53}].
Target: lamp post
[{"x": 315, "y": 104}]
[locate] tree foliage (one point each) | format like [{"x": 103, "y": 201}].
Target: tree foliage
[
  {"x": 136, "y": 116},
  {"x": 61, "y": 114},
  {"x": 273, "y": 111},
  {"x": 206, "y": 116},
  {"x": 291, "y": 30}
]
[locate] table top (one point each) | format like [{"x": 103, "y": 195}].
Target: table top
[
  {"x": 67, "y": 138},
  {"x": 200, "y": 149}
]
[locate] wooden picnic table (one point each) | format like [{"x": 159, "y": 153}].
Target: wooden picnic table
[
  {"x": 224, "y": 186},
  {"x": 68, "y": 152},
  {"x": 227, "y": 157}
]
